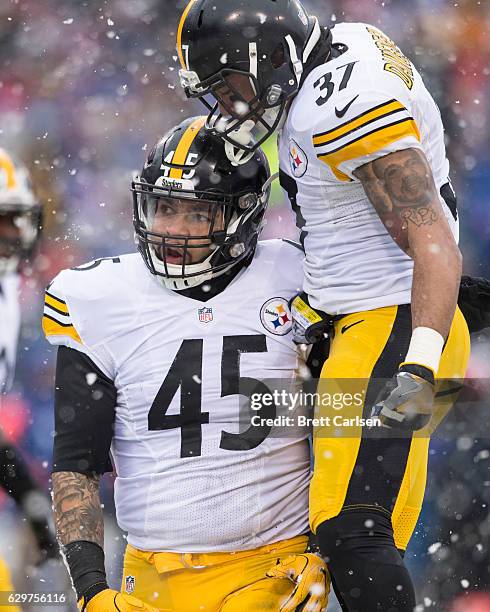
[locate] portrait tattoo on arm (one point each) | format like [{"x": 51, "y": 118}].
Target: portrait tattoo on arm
[
  {"x": 401, "y": 188},
  {"x": 77, "y": 508}
]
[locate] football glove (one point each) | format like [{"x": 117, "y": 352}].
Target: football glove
[
  {"x": 109, "y": 600},
  {"x": 409, "y": 398},
  {"x": 311, "y": 581},
  {"x": 309, "y": 325}
]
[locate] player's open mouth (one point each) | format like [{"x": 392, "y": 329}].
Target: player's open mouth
[{"x": 174, "y": 255}]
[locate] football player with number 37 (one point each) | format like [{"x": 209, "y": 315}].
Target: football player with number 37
[
  {"x": 362, "y": 158},
  {"x": 154, "y": 350}
]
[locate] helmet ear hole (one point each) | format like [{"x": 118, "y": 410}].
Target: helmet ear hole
[{"x": 278, "y": 56}]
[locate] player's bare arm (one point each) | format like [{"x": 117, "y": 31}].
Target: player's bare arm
[
  {"x": 77, "y": 508},
  {"x": 401, "y": 188},
  {"x": 80, "y": 530}
]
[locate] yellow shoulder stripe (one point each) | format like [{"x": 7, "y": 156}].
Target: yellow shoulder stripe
[
  {"x": 370, "y": 143},
  {"x": 179, "y": 33},
  {"x": 56, "y": 303},
  {"x": 53, "y": 328},
  {"x": 184, "y": 145},
  {"x": 361, "y": 120},
  {"x": 7, "y": 165}
]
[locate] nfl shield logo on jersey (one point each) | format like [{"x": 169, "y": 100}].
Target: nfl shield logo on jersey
[
  {"x": 297, "y": 159},
  {"x": 205, "y": 314},
  {"x": 129, "y": 584}
]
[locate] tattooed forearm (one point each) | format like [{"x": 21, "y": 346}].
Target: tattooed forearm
[{"x": 77, "y": 509}]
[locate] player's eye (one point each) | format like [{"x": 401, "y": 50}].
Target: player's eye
[
  {"x": 200, "y": 217},
  {"x": 164, "y": 209},
  {"x": 226, "y": 96}
]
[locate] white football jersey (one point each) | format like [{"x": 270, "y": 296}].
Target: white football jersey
[
  {"x": 9, "y": 328},
  {"x": 189, "y": 476},
  {"x": 368, "y": 102}
]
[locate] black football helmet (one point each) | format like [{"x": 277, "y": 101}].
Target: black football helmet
[
  {"x": 262, "y": 44},
  {"x": 20, "y": 214},
  {"x": 196, "y": 215}
]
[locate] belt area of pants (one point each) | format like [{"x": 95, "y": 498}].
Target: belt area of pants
[{"x": 171, "y": 561}]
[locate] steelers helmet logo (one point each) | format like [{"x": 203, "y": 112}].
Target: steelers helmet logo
[
  {"x": 276, "y": 317},
  {"x": 297, "y": 159}
]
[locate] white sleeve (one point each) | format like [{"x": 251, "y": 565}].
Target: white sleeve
[
  {"x": 62, "y": 326},
  {"x": 375, "y": 126}
]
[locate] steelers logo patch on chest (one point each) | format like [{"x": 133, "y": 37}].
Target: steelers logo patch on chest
[
  {"x": 276, "y": 317},
  {"x": 297, "y": 159}
]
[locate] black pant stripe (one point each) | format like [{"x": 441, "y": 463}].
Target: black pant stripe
[{"x": 381, "y": 462}]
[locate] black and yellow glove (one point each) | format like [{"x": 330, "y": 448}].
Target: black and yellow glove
[
  {"x": 408, "y": 399},
  {"x": 109, "y": 600},
  {"x": 311, "y": 581}
]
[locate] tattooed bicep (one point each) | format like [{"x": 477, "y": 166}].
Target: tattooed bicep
[{"x": 401, "y": 188}]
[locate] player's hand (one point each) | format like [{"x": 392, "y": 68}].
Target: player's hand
[
  {"x": 311, "y": 580},
  {"x": 408, "y": 406},
  {"x": 109, "y": 600}
]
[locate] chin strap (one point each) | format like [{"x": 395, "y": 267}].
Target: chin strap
[
  {"x": 312, "y": 41},
  {"x": 319, "y": 53},
  {"x": 296, "y": 62},
  {"x": 269, "y": 182},
  {"x": 242, "y": 136},
  {"x": 237, "y": 156}
]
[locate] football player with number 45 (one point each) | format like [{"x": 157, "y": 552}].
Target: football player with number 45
[
  {"x": 154, "y": 351},
  {"x": 363, "y": 160}
]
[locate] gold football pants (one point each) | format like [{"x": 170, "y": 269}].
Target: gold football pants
[
  {"x": 211, "y": 582},
  {"x": 387, "y": 473}
]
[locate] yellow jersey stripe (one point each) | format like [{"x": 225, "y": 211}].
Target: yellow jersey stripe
[
  {"x": 179, "y": 33},
  {"x": 184, "y": 145},
  {"x": 7, "y": 165},
  {"x": 51, "y": 327},
  {"x": 56, "y": 304},
  {"x": 365, "y": 118},
  {"x": 369, "y": 144},
  {"x": 355, "y": 128}
]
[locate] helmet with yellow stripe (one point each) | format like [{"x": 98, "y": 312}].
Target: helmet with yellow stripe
[
  {"x": 196, "y": 216},
  {"x": 20, "y": 214},
  {"x": 245, "y": 59}
]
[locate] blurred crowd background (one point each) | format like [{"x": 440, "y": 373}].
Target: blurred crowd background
[{"x": 86, "y": 87}]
